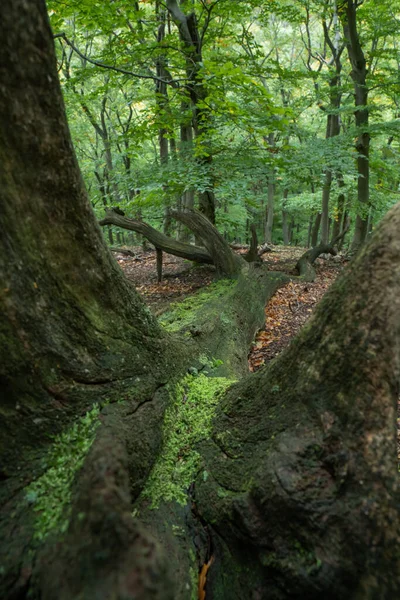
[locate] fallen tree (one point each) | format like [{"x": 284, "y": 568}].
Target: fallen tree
[
  {"x": 293, "y": 492},
  {"x": 157, "y": 238},
  {"x": 216, "y": 250}
]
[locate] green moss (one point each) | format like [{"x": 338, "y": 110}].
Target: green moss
[
  {"x": 183, "y": 313},
  {"x": 194, "y": 580},
  {"x": 50, "y": 495},
  {"x": 187, "y": 422}
]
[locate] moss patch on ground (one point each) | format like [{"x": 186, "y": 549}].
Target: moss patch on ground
[
  {"x": 182, "y": 314},
  {"x": 50, "y": 495},
  {"x": 187, "y": 422}
]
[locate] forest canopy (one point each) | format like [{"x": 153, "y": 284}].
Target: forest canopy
[{"x": 257, "y": 112}]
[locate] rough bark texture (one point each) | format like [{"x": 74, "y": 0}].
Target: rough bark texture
[
  {"x": 302, "y": 487},
  {"x": 74, "y": 319},
  {"x": 105, "y": 553}
]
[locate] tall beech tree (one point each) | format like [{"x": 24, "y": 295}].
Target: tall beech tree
[{"x": 297, "y": 493}]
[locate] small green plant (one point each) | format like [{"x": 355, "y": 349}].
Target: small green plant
[
  {"x": 187, "y": 422},
  {"x": 50, "y": 495}
]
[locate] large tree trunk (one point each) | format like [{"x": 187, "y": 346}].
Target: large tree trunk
[
  {"x": 65, "y": 303},
  {"x": 297, "y": 492},
  {"x": 302, "y": 487}
]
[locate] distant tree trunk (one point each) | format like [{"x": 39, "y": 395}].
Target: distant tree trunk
[
  {"x": 310, "y": 224},
  {"x": 348, "y": 14},
  {"x": 326, "y": 193},
  {"x": 297, "y": 239},
  {"x": 192, "y": 41},
  {"x": 333, "y": 118},
  {"x": 285, "y": 228},
  {"x": 315, "y": 230},
  {"x": 187, "y": 199},
  {"x": 338, "y": 224},
  {"x": 103, "y": 193},
  {"x": 271, "y": 195},
  {"x": 162, "y": 103},
  {"x": 291, "y": 229}
]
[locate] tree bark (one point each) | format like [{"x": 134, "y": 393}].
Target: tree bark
[
  {"x": 285, "y": 227},
  {"x": 348, "y": 14},
  {"x": 302, "y": 487},
  {"x": 315, "y": 230},
  {"x": 271, "y": 196},
  {"x": 192, "y": 41},
  {"x": 224, "y": 259}
]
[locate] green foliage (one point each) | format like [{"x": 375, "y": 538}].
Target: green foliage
[
  {"x": 260, "y": 74},
  {"x": 50, "y": 495},
  {"x": 187, "y": 422}
]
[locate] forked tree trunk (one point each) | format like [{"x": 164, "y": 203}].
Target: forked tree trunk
[{"x": 297, "y": 495}]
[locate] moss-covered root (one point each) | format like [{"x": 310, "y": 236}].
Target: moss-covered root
[
  {"x": 187, "y": 422},
  {"x": 164, "y": 506},
  {"x": 105, "y": 553},
  {"x": 50, "y": 495}
]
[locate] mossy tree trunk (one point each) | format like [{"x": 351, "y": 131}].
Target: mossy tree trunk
[
  {"x": 297, "y": 494},
  {"x": 302, "y": 487}
]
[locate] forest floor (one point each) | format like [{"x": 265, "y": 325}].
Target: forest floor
[{"x": 285, "y": 313}]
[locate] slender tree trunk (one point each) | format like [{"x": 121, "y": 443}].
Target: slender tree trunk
[
  {"x": 338, "y": 224},
  {"x": 310, "y": 225},
  {"x": 326, "y": 193},
  {"x": 285, "y": 228},
  {"x": 333, "y": 119},
  {"x": 191, "y": 39},
  {"x": 187, "y": 199},
  {"x": 359, "y": 73},
  {"x": 315, "y": 230},
  {"x": 271, "y": 196}
]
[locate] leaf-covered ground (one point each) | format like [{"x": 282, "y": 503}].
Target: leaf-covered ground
[{"x": 285, "y": 314}]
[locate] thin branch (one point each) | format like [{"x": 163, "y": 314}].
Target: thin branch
[{"x": 112, "y": 68}]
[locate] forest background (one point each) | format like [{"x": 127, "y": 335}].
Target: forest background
[{"x": 283, "y": 114}]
